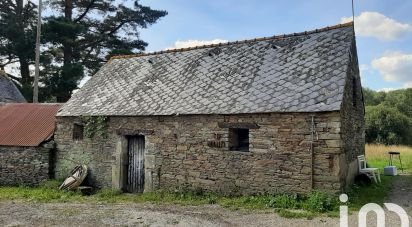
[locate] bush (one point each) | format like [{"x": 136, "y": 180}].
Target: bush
[
  {"x": 320, "y": 202},
  {"x": 285, "y": 201}
]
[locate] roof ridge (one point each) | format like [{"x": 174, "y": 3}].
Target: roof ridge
[{"x": 348, "y": 24}]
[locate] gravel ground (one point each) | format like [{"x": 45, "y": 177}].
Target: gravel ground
[{"x": 73, "y": 214}]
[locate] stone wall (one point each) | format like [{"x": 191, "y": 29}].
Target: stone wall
[
  {"x": 192, "y": 151},
  {"x": 24, "y": 165},
  {"x": 353, "y": 120}
]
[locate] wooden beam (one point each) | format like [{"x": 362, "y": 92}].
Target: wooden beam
[
  {"x": 134, "y": 132},
  {"x": 245, "y": 125}
]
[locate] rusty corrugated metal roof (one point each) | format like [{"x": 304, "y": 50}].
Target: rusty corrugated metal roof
[{"x": 26, "y": 124}]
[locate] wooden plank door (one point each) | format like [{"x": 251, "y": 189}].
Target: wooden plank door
[{"x": 135, "y": 170}]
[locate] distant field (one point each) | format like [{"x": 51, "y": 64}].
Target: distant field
[{"x": 377, "y": 156}]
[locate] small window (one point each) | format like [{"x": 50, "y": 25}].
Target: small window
[
  {"x": 239, "y": 139},
  {"x": 77, "y": 132}
]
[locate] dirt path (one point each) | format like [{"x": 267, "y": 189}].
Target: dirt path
[
  {"x": 73, "y": 214},
  {"x": 401, "y": 193},
  {"x": 37, "y": 214}
]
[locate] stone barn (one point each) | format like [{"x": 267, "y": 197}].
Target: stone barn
[
  {"x": 8, "y": 90},
  {"x": 268, "y": 115},
  {"x": 26, "y": 143}
]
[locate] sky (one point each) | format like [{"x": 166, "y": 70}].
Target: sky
[{"x": 383, "y": 29}]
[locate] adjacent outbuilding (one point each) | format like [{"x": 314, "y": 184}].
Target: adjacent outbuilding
[
  {"x": 26, "y": 143},
  {"x": 268, "y": 115},
  {"x": 9, "y": 93}
]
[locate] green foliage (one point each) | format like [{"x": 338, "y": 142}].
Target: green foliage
[
  {"x": 317, "y": 202},
  {"x": 387, "y": 125},
  {"x": 388, "y": 116},
  {"x": 51, "y": 184},
  {"x": 77, "y": 36},
  {"x": 62, "y": 82},
  {"x": 39, "y": 194},
  {"x": 17, "y": 40},
  {"x": 374, "y": 193},
  {"x": 373, "y": 98},
  {"x": 86, "y": 33},
  {"x": 320, "y": 202},
  {"x": 285, "y": 201},
  {"x": 95, "y": 126},
  {"x": 290, "y": 205}
]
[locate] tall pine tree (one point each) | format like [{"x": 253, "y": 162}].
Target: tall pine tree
[
  {"x": 17, "y": 40},
  {"x": 84, "y": 34}
]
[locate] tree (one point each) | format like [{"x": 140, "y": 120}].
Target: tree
[
  {"x": 387, "y": 125},
  {"x": 373, "y": 98},
  {"x": 17, "y": 39},
  {"x": 85, "y": 35},
  {"x": 401, "y": 100}
]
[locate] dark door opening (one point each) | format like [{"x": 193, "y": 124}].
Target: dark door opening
[{"x": 135, "y": 167}]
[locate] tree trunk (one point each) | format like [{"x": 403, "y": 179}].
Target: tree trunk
[
  {"x": 24, "y": 71},
  {"x": 24, "y": 62},
  {"x": 67, "y": 48}
]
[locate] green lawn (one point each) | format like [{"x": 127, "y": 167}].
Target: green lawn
[{"x": 377, "y": 156}]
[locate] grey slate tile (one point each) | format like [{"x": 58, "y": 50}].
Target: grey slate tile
[{"x": 307, "y": 73}]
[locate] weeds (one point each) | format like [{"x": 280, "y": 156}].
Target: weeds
[
  {"x": 374, "y": 193},
  {"x": 287, "y": 205},
  {"x": 313, "y": 203}
]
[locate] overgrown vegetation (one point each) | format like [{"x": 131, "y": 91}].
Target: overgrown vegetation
[
  {"x": 388, "y": 116},
  {"x": 360, "y": 195},
  {"x": 288, "y": 205},
  {"x": 95, "y": 126}
]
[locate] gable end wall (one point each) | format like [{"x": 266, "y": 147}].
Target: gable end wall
[{"x": 353, "y": 120}]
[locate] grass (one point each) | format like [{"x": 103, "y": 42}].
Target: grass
[
  {"x": 374, "y": 193},
  {"x": 377, "y": 156},
  {"x": 286, "y": 205}
]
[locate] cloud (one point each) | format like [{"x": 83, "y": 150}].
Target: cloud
[
  {"x": 364, "y": 70},
  {"x": 408, "y": 85},
  {"x": 374, "y": 24},
  {"x": 193, "y": 43},
  {"x": 395, "y": 67},
  {"x": 387, "y": 89}
]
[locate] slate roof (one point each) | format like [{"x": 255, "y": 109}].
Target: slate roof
[
  {"x": 8, "y": 90},
  {"x": 26, "y": 124},
  {"x": 302, "y": 72}
]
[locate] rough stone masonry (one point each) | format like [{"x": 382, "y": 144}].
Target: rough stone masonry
[
  {"x": 295, "y": 99},
  {"x": 178, "y": 153},
  {"x": 24, "y": 165}
]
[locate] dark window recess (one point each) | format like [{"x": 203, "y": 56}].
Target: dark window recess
[
  {"x": 354, "y": 92},
  {"x": 77, "y": 132},
  {"x": 238, "y": 139}
]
